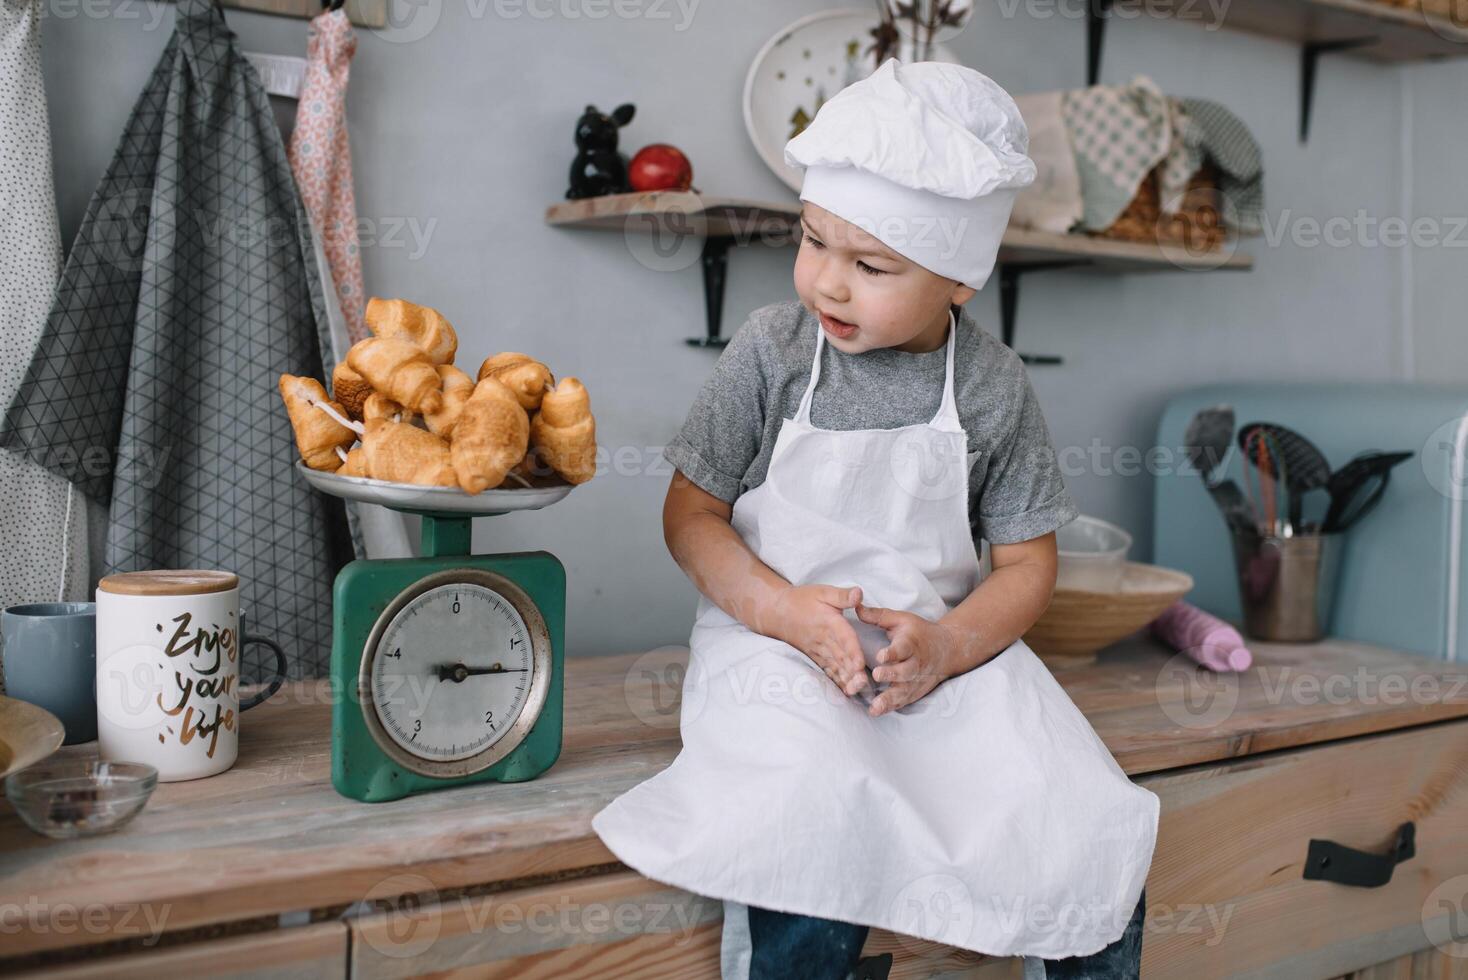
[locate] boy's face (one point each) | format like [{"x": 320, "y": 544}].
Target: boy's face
[{"x": 865, "y": 294}]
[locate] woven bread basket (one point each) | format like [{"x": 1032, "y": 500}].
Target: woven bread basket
[{"x": 1078, "y": 623}]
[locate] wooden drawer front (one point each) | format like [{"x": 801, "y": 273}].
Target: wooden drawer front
[
  {"x": 1226, "y": 896},
  {"x": 314, "y": 952},
  {"x": 618, "y": 925}
]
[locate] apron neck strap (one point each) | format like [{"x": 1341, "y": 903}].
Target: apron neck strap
[{"x": 947, "y": 417}]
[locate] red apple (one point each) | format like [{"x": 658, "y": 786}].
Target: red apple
[{"x": 660, "y": 167}]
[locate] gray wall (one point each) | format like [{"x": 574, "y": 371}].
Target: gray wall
[{"x": 466, "y": 130}]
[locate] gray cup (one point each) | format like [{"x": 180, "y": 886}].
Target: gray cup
[{"x": 50, "y": 660}]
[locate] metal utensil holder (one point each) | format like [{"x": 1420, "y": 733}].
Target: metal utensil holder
[{"x": 1286, "y": 584}]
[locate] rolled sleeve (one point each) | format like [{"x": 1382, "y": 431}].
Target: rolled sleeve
[
  {"x": 682, "y": 454},
  {"x": 721, "y": 436},
  {"x": 1024, "y": 494}
]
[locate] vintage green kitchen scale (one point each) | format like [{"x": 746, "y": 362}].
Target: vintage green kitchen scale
[{"x": 447, "y": 668}]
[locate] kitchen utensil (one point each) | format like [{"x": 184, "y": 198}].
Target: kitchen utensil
[
  {"x": 450, "y": 665},
  {"x": 1204, "y": 637},
  {"x": 1286, "y": 584},
  {"x": 1357, "y": 487},
  {"x": 1079, "y": 622},
  {"x": 1091, "y": 554},
  {"x": 80, "y": 797},
  {"x": 802, "y": 66},
  {"x": 1296, "y": 462},
  {"x": 1206, "y": 442},
  {"x": 1208, "y": 438},
  {"x": 51, "y": 661},
  {"x": 28, "y": 733}
]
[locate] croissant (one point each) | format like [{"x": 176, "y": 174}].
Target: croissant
[
  {"x": 490, "y": 436},
  {"x": 421, "y": 325},
  {"x": 349, "y": 388},
  {"x": 317, "y": 434},
  {"x": 525, "y": 376},
  {"x": 379, "y": 406},
  {"x": 398, "y": 369},
  {"x": 356, "y": 462},
  {"x": 403, "y": 453},
  {"x": 457, "y": 387},
  {"x": 564, "y": 431}
]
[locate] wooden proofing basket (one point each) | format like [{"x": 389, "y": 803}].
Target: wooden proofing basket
[{"x": 1078, "y": 623}]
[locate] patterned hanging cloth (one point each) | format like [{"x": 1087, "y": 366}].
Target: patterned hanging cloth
[
  {"x": 321, "y": 158},
  {"x": 190, "y": 289},
  {"x": 322, "y": 162},
  {"x": 44, "y": 520}
]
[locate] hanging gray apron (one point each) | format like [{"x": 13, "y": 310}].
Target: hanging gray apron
[{"x": 191, "y": 287}]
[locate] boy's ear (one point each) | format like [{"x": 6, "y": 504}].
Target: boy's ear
[{"x": 962, "y": 294}]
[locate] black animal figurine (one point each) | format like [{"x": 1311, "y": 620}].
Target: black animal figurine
[{"x": 598, "y": 168}]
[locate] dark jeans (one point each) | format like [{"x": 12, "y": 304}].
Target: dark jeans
[{"x": 801, "y": 947}]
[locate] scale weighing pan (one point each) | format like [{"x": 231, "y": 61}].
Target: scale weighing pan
[{"x": 419, "y": 499}]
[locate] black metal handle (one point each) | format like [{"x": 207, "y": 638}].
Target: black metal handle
[{"x": 1328, "y": 861}]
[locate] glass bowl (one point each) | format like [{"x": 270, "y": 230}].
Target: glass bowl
[
  {"x": 80, "y": 797},
  {"x": 1092, "y": 555}
]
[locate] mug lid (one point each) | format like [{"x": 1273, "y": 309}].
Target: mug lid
[{"x": 183, "y": 581}]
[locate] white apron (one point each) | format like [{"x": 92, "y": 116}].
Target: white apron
[{"x": 987, "y": 815}]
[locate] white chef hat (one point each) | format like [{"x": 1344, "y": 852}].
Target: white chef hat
[{"x": 927, "y": 157}]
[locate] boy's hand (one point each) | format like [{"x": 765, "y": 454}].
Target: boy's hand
[
  {"x": 919, "y": 657},
  {"x": 808, "y": 617}
]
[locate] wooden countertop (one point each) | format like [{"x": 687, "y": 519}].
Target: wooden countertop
[{"x": 271, "y": 837}]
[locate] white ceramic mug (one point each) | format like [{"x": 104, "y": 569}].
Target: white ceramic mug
[{"x": 168, "y": 670}]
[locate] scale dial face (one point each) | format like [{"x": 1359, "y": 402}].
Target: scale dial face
[{"x": 455, "y": 672}]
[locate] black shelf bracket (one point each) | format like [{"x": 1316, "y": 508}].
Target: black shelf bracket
[
  {"x": 1310, "y": 53},
  {"x": 1009, "y": 301},
  {"x": 1096, "y": 13},
  {"x": 715, "y": 261}
]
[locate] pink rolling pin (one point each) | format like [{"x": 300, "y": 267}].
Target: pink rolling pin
[{"x": 1204, "y": 637}]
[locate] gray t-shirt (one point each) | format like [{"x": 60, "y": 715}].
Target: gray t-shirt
[{"x": 1015, "y": 485}]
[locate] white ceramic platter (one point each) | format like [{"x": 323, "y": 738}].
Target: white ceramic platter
[{"x": 801, "y": 67}]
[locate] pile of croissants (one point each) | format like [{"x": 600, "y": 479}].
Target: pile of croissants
[{"x": 400, "y": 411}]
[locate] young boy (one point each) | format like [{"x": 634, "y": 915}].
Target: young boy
[{"x": 866, "y": 739}]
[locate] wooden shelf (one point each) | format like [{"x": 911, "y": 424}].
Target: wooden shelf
[
  {"x": 1401, "y": 34},
  {"x": 748, "y": 220},
  {"x": 686, "y": 211},
  {"x": 725, "y": 221},
  {"x": 1025, "y": 247}
]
